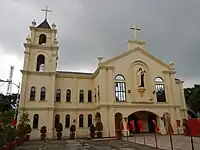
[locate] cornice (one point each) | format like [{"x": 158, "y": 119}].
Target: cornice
[
  {"x": 115, "y": 105},
  {"x": 65, "y": 75},
  {"x": 43, "y": 30},
  {"x": 36, "y": 108},
  {"x": 169, "y": 71},
  {"x": 84, "y": 76},
  {"x": 44, "y": 47},
  {"x": 38, "y": 73}
]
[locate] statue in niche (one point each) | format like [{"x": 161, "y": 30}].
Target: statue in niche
[{"x": 141, "y": 75}]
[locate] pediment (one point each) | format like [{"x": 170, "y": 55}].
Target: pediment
[{"x": 144, "y": 52}]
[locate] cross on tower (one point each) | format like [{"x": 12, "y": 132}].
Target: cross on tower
[
  {"x": 46, "y": 10},
  {"x": 135, "y": 29}
]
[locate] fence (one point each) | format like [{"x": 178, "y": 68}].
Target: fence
[{"x": 175, "y": 142}]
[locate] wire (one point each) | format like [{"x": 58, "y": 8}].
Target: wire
[{"x": 2, "y": 85}]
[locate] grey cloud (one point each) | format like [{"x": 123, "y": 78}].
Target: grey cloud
[{"x": 90, "y": 28}]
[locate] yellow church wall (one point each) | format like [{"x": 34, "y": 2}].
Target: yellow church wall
[
  {"x": 126, "y": 67},
  {"x": 45, "y": 81}
]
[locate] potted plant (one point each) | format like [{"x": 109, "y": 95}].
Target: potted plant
[
  {"x": 27, "y": 132},
  {"x": 72, "y": 131},
  {"x": 92, "y": 131},
  {"x": 99, "y": 128},
  {"x": 43, "y": 132},
  {"x": 59, "y": 129},
  {"x": 23, "y": 122},
  {"x": 10, "y": 135}
]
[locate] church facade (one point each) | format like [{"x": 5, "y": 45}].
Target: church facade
[{"x": 135, "y": 84}]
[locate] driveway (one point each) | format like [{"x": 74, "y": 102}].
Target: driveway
[{"x": 105, "y": 144}]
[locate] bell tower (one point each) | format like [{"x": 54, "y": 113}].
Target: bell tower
[
  {"x": 41, "y": 47},
  {"x": 37, "y": 95}
]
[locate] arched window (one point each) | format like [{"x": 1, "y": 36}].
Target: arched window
[
  {"x": 42, "y": 93},
  {"x": 68, "y": 95},
  {"x": 42, "y": 39},
  {"x": 98, "y": 93},
  {"x": 67, "y": 121},
  {"x": 40, "y": 61},
  {"x": 80, "y": 120},
  {"x": 95, "y": 94},
  {"x": 58, "y": 95},
  {"x": 160, "y": 89},
  {"x": 89, "y": 96},
  {"x": 120, "y": 88},
  {"x": 35, "y": 121},
  {"x": 57, "y": 120},
  {"x": 89, "y": 120},
  {"x": 81, "y": 96},
  {"x": 32, "y": 93}
]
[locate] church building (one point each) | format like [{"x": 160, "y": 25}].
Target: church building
[{"x": 135, "y": 84}]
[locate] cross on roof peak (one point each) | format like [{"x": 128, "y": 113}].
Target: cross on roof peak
[
  {"x": 134, "y": 28},
  {"x": 46, "y": 11}
]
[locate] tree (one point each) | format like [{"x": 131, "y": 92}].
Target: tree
[
  {"x": 7, "y": 101},
  {"x": 192, "y": 97}
]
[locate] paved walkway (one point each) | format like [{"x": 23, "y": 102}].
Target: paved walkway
[
  {"x": 83, "y": 145},
  {"x": 180, "y": 142}
]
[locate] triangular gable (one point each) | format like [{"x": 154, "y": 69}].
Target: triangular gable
[{"x": 132, "y": 51}]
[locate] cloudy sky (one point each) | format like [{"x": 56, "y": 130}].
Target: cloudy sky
[{"x": 91, "y": 28}]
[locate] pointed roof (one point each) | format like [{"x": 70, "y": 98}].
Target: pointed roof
[{"x": 44, "y": 25}]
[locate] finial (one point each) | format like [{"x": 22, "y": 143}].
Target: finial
[
  {"x": 100, "y": 58},
  {"x": 33, "y": 23},
  {"x": 171, "y": 64},
  {"x": 55, "y": 42},
  {"x": 54, "y": 25},
  {"x": 28, "y": 39},
  {"x": 135, "y": 29}
]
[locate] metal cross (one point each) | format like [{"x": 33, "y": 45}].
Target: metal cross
[
  {"x": 135, "y": 29},
  {"x": 46, "y": 10}
]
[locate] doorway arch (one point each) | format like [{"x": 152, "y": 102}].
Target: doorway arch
[{"x": 146, "y": 117}]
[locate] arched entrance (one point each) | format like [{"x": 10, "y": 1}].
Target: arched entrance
[{"x": 146, "y": 118}]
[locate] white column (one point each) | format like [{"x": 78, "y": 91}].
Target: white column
[{"x": 161, "y": 125}]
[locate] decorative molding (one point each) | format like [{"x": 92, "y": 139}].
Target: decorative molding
[
  {"x": 135, "y": 50},
  {"x": 38, "y": 73},
  {"x": 81, "y": 75},
  {"x": 53, "y": 30},
  {"x": 169, "y": 71},
  {"x": 43, "y": 47},
  {"x": 141, "y": 90}
]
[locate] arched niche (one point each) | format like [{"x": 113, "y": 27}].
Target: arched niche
[{"x": 141, "y": 80}]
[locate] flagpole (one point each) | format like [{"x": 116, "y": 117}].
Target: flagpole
[
  {"x": 156, "y": 139},
  {"x": 170, "y": 132}
]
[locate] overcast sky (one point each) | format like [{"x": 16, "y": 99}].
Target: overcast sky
[{"x": 91, "y": 28}]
